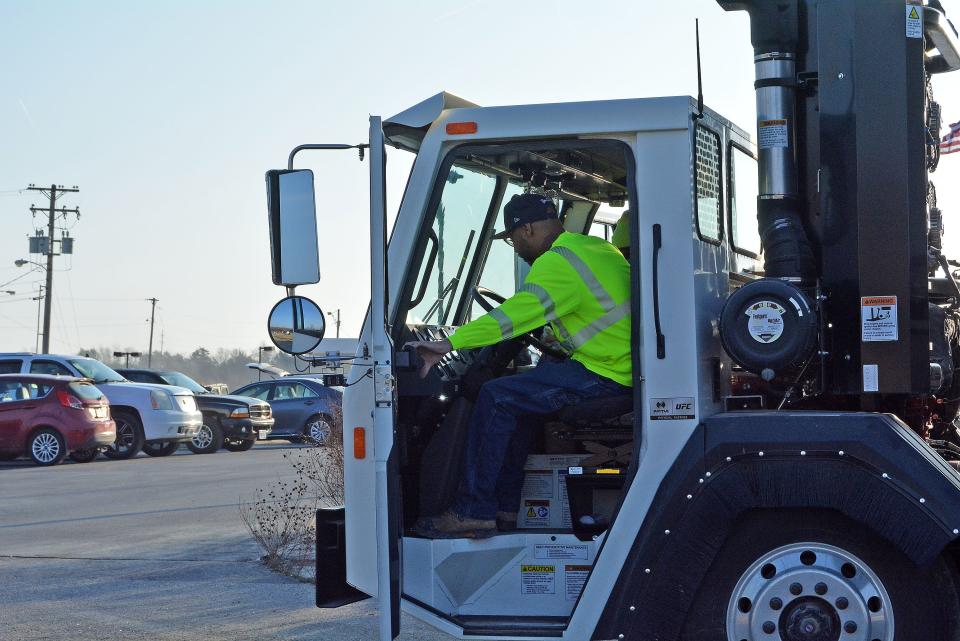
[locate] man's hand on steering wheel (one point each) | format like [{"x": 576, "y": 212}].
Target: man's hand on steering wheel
[{"x": 431, "y": 352}]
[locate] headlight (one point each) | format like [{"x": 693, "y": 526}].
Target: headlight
[
  {"x": 161, "y": 400},
  {"x": 240, "y": 412}
]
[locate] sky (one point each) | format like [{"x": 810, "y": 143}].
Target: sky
[{"x": 166, "y": 115}]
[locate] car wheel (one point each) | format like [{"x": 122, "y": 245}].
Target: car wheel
[
  {"x": 317, "y": 429},
  {"x": 160, "y": 448},
  {"x": 809, "y": 574},
  {"x": 84, "y": 456},
  {"x": 239, "y": 446},
  {"x": 208, "y": 438},
  {"x": 46, "y": 447},
  {"x": 129, "y": 436}
]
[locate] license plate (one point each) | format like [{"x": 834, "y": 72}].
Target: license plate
[{"x": 263, "y": 435}]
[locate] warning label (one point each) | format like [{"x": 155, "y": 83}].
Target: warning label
[
  {"x": 575, "y": 577},
  {"x": 878, "y": 319},
  {"x": 561, "y": 552},
  {"x": 914, "y": 21},
  {"x": 766, "y": 321},
  {"x": 772, "y": 134},
  {"x": 538, "y": 579},
  {"x": 672, "y": 409},
  {"x": 871, "y": 378},
  {"x": 537, "y": 513},
  {"x": 538, "y": 484}
]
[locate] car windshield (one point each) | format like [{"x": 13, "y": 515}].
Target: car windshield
[
  {"x": 96, "y": 370},
  {"x": 182, "y": 380}
]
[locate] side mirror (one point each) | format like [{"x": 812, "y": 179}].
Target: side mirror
[
  {"x": 296, "y": 325},
  {"x": 293, "y": 227}
]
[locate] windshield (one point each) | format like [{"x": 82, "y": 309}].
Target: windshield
[
  {"x": 182, "y": 380},
  {"x": 96, "y": 370}
]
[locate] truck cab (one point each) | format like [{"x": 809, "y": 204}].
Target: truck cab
[{"x": 751, "y": 485}]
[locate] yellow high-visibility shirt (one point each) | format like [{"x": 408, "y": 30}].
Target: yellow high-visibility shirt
[{"x": 581, "y": 286}]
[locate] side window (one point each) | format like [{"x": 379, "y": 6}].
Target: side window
[
  {"x": 456, "y": 234},
  {"x": 38, "y": 390},
  {"x": 707, "y": 177},
  {"x": 257, "y": 391},
  {"x": 49, "y": 367},
  {"x": 140, "y": 377},
  {"x": 302, "y": 391},
  {"x": 743, "y": 190},
  {"x": 12, "y": 391},
  {"x": 10, "y": 367}
]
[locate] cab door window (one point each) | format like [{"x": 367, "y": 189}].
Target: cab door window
[
  {"x": 10, "y": 367},
  {"x": 456, "y": 235}
]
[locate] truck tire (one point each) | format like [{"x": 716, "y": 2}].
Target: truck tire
[
  {"x": 208, "y": 438},
  {"x": 46, "y": 447},
  {"x": 808, "y": 574},
  {"x": 239, "y": 445},
  {"x": 129, "y": 436},
  {"x": 160, "y": 448},
  {"x": 84, "y": 456}
]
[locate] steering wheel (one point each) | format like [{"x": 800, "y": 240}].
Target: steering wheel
[{"x": 481, "y": 294}]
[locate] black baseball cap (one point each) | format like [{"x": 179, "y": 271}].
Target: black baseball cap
[{"x": 526, "y": 208}]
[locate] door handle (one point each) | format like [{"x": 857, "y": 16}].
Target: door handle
[{"x": 308, "y": 402}]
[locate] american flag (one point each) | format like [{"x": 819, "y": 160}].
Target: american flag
[{"x": 951, "y": 142}]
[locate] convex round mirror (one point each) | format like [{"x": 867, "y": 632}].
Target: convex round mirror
[{"x": 296, "y": 325}]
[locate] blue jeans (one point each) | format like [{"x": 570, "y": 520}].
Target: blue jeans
[{"x": 497, "y": 449}]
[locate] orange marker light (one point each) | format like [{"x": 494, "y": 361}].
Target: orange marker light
[
  {"x": 359, "y": 442},
  {"x": 456, "y": 128}
]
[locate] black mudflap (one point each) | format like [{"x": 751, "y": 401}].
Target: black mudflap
[{"x": 332, "y": 590}]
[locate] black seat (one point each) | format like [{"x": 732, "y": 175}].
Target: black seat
[{"x": 597, "y": 410}]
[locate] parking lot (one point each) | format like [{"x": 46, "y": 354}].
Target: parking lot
[{"x": 156, "y": 549}]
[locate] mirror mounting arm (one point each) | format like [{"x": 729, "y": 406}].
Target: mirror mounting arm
[{"x": 300, "y": 148}]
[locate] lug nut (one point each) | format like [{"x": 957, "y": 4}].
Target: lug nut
[
  {"x": 795, "y": 589},
  {"x": 820, "y": 588},
  {"x": 850, "y": 627},
  {"x": 769, "y": 627},
  {"x": 776, "y": 603},
  {"x": 842, "y": 603}
]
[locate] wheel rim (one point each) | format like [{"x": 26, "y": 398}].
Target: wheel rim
[
  {"x": 318, "y": 430},
  {"x": 125, "y": 437},
  {"x": 203, "y": 438},
  {"x": 45, "y": 447},
  {"x": 809, "y": 592}
]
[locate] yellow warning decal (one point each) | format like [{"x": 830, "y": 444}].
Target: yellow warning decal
[
  {"x": 537, "y": 568},
  {"x": 914, "y": 15}
]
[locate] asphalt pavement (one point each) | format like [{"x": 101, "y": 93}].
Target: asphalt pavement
[{"x": 155, "y": 549}]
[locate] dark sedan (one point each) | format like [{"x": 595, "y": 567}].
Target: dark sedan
[
  {"x": 302, "y": 406},
  {"x": 234, "y": 422}
]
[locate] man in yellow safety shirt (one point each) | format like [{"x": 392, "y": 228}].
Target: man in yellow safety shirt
[{"x": 581, "y": 286}]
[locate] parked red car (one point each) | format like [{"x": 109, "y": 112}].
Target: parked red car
[{"x": 47, "y": 417}]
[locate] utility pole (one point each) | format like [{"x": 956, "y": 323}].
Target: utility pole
[
  {"x": 52, "y": 213},
  {"x": 337, "y": 321},
  {"x": 38, "y": 298},
  {"x": 153, "y": 309}
]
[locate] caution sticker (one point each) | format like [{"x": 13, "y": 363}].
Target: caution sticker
[
  {"x": 772, "y": 134},
  {"x": 575, "y": 577},
  {"x": 538, "y": 579},
  {"x": 536, "y": 513},
  {"x": 766, "y": 321},
  {"x": 914, "y": 21},
  {"x": 878, "y": 319}
]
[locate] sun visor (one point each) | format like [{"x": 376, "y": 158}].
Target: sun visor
[{"x": 407, "y": 128}]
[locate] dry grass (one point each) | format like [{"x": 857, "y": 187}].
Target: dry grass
[{"x": 281, "y": 518}]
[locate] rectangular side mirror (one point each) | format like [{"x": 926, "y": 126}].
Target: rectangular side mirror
[{"x": 293, "y": 227}]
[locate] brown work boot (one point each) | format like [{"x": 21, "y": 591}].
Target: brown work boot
[
  {"x": 451, "y": 525},
  {"x": 506, "y": 521}
]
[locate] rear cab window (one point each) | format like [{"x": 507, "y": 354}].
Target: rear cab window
[{"x": 86, "y": 391}]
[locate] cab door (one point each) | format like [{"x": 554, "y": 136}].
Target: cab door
[{"x": 385, "y": 457}]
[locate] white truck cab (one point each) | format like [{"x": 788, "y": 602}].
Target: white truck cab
[{"x": 753, "y": 485}]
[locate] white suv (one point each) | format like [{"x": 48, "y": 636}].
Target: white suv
[{"x": 155, "y": 418}]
